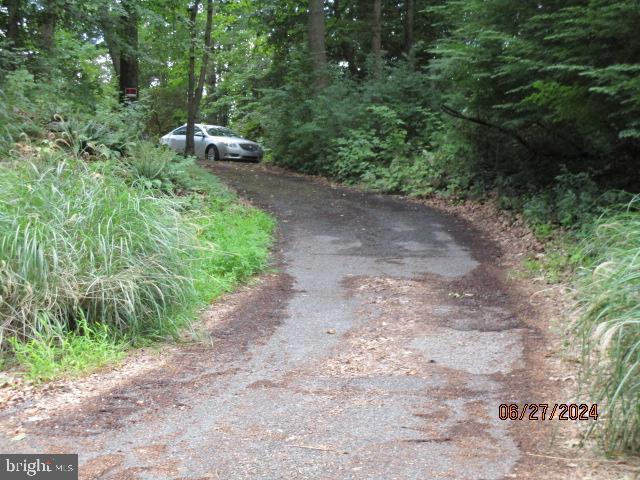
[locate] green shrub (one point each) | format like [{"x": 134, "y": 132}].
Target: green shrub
[
  {"x": 609, "y": 324},
  {"x": 351, "y": 128},
  {"x": 92, "y": 138},
  {"x": 154, "y": 166},
  {"x": 27, "y": 107},
  {"x": 361, "y": 151},
  {"x": 573, "y": 200},
  {"x": 16, "y": 108},
  {"x": 109, "y": 133}
]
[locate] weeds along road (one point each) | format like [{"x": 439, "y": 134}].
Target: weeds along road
[{"x": 381, "y": 350}]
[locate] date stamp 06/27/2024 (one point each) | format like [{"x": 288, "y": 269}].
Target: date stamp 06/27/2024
[{"x": 548, "y": 411}]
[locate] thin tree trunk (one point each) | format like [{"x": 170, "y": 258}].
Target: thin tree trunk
[
  {"x": 14, "y": 12},
  {"x": 217, "y": 115},
  {"x": 408, "y": 24},
  {"x": 205, "y": 55},
  {"x": 189, "y": 148},
  {"x": 195, "y": 90},
  {"x": 376, "y": 38},
  {"x": 317, "y": 42},
  {"x": 128, "y": 75}
]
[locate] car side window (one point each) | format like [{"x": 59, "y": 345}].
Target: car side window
[{"x": 180, "y": 131}]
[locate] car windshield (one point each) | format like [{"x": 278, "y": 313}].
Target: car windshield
[{"x": 222, "y": 132}]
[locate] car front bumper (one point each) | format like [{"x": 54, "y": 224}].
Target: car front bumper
[{"x": 242, "y": 154}]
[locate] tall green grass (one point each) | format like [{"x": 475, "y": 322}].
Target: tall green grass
[
  {"x": 80, "y": 243},
  {"x": 609, "y": 324},
  {"x": 94, "y": 257}
]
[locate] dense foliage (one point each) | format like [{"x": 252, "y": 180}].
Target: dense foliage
[
  {"x": 559, "y": 79},
  {"x": 462, "y": 96},
  {"x": 99, "y": 249},
  {"x": 125, "y": 247},
  {"x": 522, "y": 98}
]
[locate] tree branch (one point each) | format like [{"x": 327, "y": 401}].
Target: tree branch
[{"x": 507, "y": 131}]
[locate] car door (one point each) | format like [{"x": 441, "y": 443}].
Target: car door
[
  {"x": 179, "y": 139},
  {"x": 200, "y": 142},
  {"x": 216, "y": 137}
]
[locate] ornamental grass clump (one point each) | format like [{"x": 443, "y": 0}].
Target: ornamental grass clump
[
  {"x": 79, "y": 244},
  {"x": 609, "y": 324}
]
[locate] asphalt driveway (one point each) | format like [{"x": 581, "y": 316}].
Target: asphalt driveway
[{"x": 380, "y": 350}]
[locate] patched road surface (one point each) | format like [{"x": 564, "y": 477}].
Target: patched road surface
[{"x": 381, "y": 350}]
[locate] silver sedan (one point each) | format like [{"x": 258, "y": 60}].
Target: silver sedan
[{"x": 213, "y": 142}]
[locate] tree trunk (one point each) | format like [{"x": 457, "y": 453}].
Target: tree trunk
[
  {"x": 14, "y": 12},
  {"x": 216, "y": 115},
  {"x": 45, "y": 40},
  {"x": 189, "y": 148},
  {"x": 408, "y": 24},
  {"x": 128, "y": 74},
  {"x": 221, "y": 114},
  {"x": 109, "y": 30},
  {"x": 48, "y": 22},
  {"x": 376, "y": 38},
  {"x": 205, "y": 55},
  {"x": 194, "y": 94},
  {"x": 317, "y": 42},
  {"x": 47, "y": 31}
]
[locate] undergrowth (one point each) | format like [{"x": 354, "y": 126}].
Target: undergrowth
[
  {"x": 239, "y": 238},
  {"x": 69, "y": 353},
  {"x": 78, "y": 242}
]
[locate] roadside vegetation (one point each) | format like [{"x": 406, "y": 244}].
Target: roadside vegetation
[
  {"x": 535, "y": 103},
  {"x": 107, "y": 244},
  {"x": 609, "y": 321}
]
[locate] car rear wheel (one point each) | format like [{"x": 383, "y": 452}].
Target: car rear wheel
[{"x": 211, "y": 154}]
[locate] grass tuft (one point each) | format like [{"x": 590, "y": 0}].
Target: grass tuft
[
  {"x": 79, "y": 243},
  {"x": 609, "y": 324},
  {"x": 68, "y": 354},
  {"x": 97, "y": 257}
]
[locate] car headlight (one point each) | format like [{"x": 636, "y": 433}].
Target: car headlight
[{"x": 232, "y": 145}]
